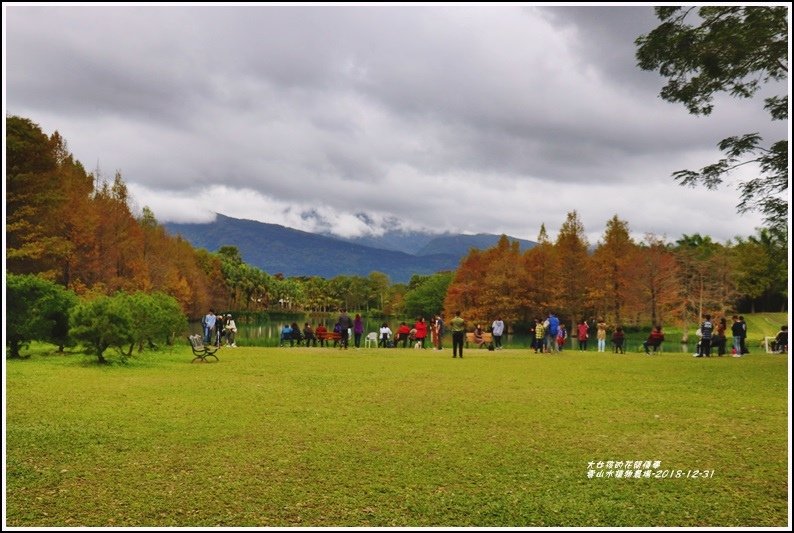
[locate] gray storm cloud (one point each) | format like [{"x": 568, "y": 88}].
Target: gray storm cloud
[{"x": 461, "y": 118}]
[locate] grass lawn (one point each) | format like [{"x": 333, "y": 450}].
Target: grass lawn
[{"x": 320, "y": 437}]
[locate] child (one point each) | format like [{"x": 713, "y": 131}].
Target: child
[{"x": 561, "y": 336}]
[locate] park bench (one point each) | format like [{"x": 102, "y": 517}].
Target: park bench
[
  {"x": 653, "y": 347},
  {"x": 487, "y": 338},
  {"x": 200, "y": 350},
  {"x": 329, "y": 336}
]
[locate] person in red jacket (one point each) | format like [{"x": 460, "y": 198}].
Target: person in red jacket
[
  {"x": 321, "y": 331},
  {"x": 421, "y": 331},
  {"x": 655, "y": 339},
  {"x": 402, "y": 334},
  {"x": 582, "y": 334}
]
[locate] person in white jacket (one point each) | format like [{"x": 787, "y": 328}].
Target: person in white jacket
[
  {"x": 231, "y": 331},
  {"x": 497, "y": 329},
  {"x": 385, "y": 335}
]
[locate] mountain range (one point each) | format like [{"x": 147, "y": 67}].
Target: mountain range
[{"x": 291, "y": 252}]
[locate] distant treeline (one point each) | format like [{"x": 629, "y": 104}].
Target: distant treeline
[{"x": 620, "y": 280}]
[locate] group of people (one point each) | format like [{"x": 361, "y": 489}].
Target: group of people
[
  {"x": 217, "y": 327},
  {"x": 714, "y": 335},
  {"x": 294, "y": 335},
  {"x": 345, "y": 327},
  {"x": 583, "y": 329},
  {"x": 548, "y": 335}
]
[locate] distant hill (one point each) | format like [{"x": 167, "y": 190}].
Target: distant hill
[
  {"x": 278, "y": 249},
  {"x": 418, "y": 243},
  {"x": 409, "y": 242},
  {"x": 461, "y": 244}
]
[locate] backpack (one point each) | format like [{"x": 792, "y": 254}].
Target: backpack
[{"x": 491, "y": 347}]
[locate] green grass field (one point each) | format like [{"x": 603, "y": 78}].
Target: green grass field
[{"x": 321, "y": 437}]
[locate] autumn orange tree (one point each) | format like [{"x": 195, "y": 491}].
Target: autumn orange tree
[
  {"x": 699, "y": 277},
  {"x": 77, "y": 230},
  {"x": 540, "y": 276},
  {"x": 611, "y": 282},
  {"x": 503, "y": 290},
  {"x": 573, "y": 284},
  {"x": 464, "y": 293},
  {"x": 657, "y": 296},
  {"x": 34, "y": 199}
]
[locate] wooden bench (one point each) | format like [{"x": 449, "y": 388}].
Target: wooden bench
[
  {"x": 200, "y": 351},
  {"x": 487, "y": 338},
  {"x": 657, "y": 347},
  {"x": 329, "y": 336}
]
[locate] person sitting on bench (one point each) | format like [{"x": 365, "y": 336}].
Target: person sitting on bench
[
  {"x": 479, "y": 340},
  {"x": 655, "y": 339}
]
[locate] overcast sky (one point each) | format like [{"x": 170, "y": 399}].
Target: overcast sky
[{"x": 468, "y": 118}]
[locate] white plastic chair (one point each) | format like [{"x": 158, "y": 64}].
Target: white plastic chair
[{"x": 371, "y": 340}]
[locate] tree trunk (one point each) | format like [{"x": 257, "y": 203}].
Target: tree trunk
[{"x": 14, "y": 347}]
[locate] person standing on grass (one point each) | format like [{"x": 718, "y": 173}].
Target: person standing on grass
[
  {"x": 745, "y": 351},
  {"x": 358, "y": 330},
  {"x": 458, "y": 326},
  {"x": 617, "y": 340},
  {"x": 551, "y": 326},
  {"x": 385, "y": 335},
  {"x": 601, "y": 335},
  {"x": 220, "y": 329},
  {"x": 346, "y": 324},
  {"x": 582, "y": 334},
  {"x": 208, "y": 323},
  {"x": 421, "y": 331},
  {"x": 562, "y": 334},
  {"x": 719, "y": 337},
  {"x": 438, "y": 332},
  {"x": 736, "y": 331},
  {"x": 497, "y": 330},
  {"x": 540, "y": 334},
  {"x": 706, "y": 327},
  {"x": 403, "y": 332}
]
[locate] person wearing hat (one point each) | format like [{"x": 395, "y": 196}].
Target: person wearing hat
[{"x": 231, "y": 330}]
